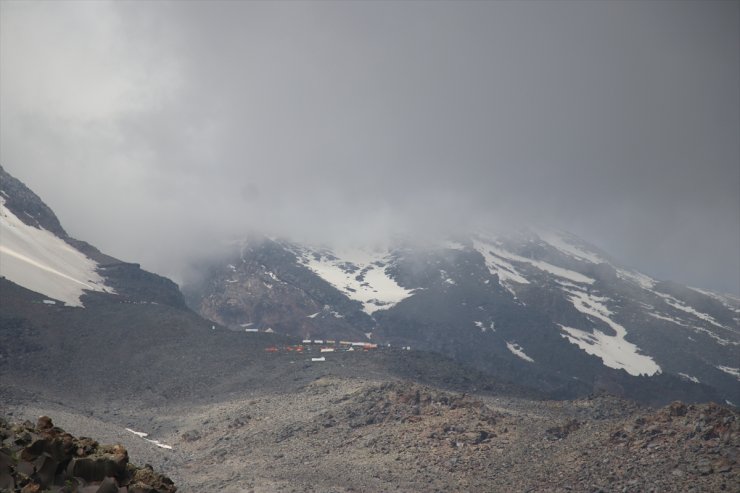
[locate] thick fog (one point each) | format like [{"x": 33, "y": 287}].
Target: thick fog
[{"x": 158, "y": 130}]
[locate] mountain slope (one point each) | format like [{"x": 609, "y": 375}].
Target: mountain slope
[
  {"x": 37, "y": 253},
  {"x": 542, "y": 308},
  {"x": 116, "y": 333}
]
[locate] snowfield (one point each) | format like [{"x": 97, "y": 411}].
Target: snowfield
[
  {"x": 42, "y": 262},
  {"x": 360, "y": 274},
  {"x": 614, "y": 350}
]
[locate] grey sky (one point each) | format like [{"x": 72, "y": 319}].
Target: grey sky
[{"x": 155, "y": 129}]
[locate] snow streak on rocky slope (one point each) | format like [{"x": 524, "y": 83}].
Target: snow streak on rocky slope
[{"x": 612, "y": 348}]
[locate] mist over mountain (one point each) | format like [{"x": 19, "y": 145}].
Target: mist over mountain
[
  {"x": 541, "y": 308},
  {"x": 184, "y": 125},
  {"x": 327, "y": 345},
  {"x": 369, "y": 246}
]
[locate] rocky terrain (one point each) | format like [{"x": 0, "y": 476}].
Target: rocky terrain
[
  {"x": 355, "y": 434},
  {"x": 397, "y": 437},
  {"x": 43, "y": 457}
]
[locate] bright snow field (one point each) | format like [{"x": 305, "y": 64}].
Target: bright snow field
[
  {"x": 42, "y": 262},
  {"x": 614, "y": 350},
  {"x": 360, "y": 274}
]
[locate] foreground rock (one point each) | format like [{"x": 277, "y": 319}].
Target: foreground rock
[{"x": 46, "y": 458}]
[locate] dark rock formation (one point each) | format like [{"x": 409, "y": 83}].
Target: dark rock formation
[{"x": 46, "y": 458}]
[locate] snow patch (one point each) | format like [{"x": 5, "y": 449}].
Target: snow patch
[
  {"x": 446, "y": 277},
  {"x": 675, "y": 303},
  {"x": 565, "y": 245},
  {"x": 730, "y": 302},
  {"x": 720, "y": 340},
  {"x": 497, "y": 266},
  {"x": 641, "y": 280},
  {"x": 518, "y": 351},
  {"x": 145, "y": 435},
  {"x": 614, "y": 350},
  {"x": 500, "y": 255},
  {"x": 668, "y": 319},
  {"x": 360, "y": 274},
  {"x": 735, "y": 372},
  {"x": 689, "y": 377},
  {"x": 483, "y": 327},
  {"x": 42, "y": 262},
  {"x": 159, "y": 444},
  {"x": 138, "y": 433}
]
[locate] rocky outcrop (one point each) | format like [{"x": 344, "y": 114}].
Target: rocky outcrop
[
  {"x": 27, "y": 206},
  {"x": 43, "y": 457},
  {"x": 264, "y": 287}
]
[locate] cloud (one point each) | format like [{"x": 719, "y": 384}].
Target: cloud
[{"x": 157, "y": 129}]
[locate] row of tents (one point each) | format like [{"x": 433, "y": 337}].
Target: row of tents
[{"x": 325, "y": 346}]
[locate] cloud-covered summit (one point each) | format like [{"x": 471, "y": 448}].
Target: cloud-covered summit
[{"x": 155, "y": 129}]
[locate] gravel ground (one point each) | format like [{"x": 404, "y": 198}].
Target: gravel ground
[{"x": 351, "y": 434}]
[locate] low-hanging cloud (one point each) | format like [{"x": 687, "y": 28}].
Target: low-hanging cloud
[{"x": 157, "y": 130}]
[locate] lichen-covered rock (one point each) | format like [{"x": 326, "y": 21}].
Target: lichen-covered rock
[
  {"x": 146, "y": 480},
  {"x": 97, "y": 468}
]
